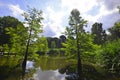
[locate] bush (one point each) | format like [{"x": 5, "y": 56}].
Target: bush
[{"x": 110, "y": 56}]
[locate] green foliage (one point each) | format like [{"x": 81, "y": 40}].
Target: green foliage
[
  {"x": 33, "y": 56},
  {"x": 53, "y": 44},
  {"x": 18, "y": 38},
  {"x": 6, "y": 47},
  {"x": 78, "y": 38},
  {"x": 70, "y": 47},
  {"x": 115, "y": 31},
  {"x": 7, "y": 22},
  {"x": 33, "y": 18},
  {"x": 109, "y": 56},
  {"x": 88, "y": 48},
  {"x": 41, "y": 44},
  {"x": 99, "y": 33},
  {"x": 54, "y": 52},
  {"x": 74, "y": 32}
]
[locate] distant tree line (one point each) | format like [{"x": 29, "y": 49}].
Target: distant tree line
[
  {"x": 6, "y": 33},
  {"x": 54, "y": 42}
]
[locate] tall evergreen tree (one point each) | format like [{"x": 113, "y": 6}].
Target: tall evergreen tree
[{"x": 75, "y": 33}]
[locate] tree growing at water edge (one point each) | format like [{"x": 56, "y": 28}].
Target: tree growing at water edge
[
  {"x": 75, "y": 33},
  {"x": 33, "y": 19}
]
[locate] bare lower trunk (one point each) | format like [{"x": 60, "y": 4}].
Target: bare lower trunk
[
  {"x": 26, "y": 54},
  {"x": 79, "y": 59},
  {"x": 79, "y": 67}
]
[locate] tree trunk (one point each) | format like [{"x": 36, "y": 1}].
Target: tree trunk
[
  {"x": 26, "y": 54},
  {"x": 79, "y": 59},
  {"x": 79, "y": 67}
]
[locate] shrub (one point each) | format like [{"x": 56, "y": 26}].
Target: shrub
[{"x": 110, "y": 56}]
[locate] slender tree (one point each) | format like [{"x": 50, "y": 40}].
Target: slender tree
[
  {"x": 75, "y": 33},
  {"x": 33, "y": 19}
]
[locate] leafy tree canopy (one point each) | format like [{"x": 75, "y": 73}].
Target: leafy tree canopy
[{"x": 7, "y": 22}]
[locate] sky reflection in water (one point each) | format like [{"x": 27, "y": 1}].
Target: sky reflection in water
[
  {"x": 29, "y": 65},
  {"x": 48, "y": 75}
]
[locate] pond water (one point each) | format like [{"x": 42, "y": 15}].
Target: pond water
[
  {"x": 30, "y": 65},
  {"x": 48, "y": 75},
  {"x": 43, "y": 74},
  {"x": 47, "y": 68}
]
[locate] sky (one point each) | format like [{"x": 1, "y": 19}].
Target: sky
[{"x": 56, "y": 12}]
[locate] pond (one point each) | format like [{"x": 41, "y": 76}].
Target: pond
[
  {"x": 40, "y": 74},
  {"x": 48, "y": 68},
  {"x": 45, "y": 68}
]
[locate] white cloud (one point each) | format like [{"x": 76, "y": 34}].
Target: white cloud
[
  {"x": 56, "y": 18},
  {"x": 82, "y": 5},
  {"x": 106, "y": 16},
  {"x": 53, "y": 20},
  {"x": 102, "y": 13},
  {"x": 16, "y": 10}
]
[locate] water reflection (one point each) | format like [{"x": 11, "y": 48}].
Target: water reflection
[
  {"x": 49, "y": 69},
  {"x": 48, "y": 75},
  {"x": 43, "y": 74},
  {"x": 30, "y": 65}
]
